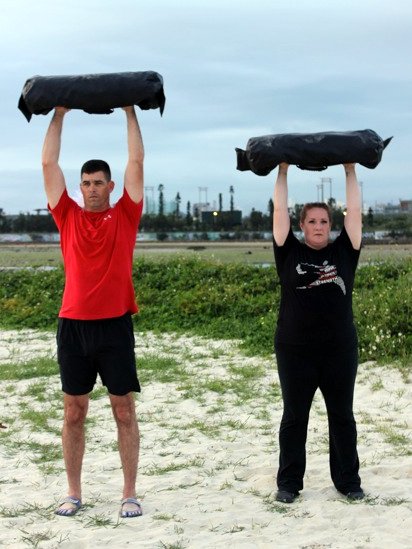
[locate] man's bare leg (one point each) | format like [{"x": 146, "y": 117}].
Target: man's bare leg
[
  {"x": 124, "y": 413},
  {"x": 73, "y": 438}
]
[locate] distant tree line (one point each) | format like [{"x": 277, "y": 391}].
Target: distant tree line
[
  {"x": 27, "y": 223},
  {"x": 223, "y": 221}
]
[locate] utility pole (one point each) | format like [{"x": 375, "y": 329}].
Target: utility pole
[
  {"x": 325, "y": 181},
  {"x": 232, "y": 202},
  {"x": 160, "y": 188},
  {"x": 202, "y": 191},
  {"x": 150, "y": 202},
  {"x": 320, "y": 195},
  {"x": 361, "y": 191},
  {"x": 177, "y": 202}
]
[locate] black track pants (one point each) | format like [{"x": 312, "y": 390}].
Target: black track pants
[{"x": 302, "y": 370}]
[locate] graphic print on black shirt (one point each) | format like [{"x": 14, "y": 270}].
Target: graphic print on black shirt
[
  {"x": 320, "y": 274},
  {"x": 316, "y": 292}
]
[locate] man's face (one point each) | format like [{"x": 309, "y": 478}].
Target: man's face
[{"x": 96, "y": 191}]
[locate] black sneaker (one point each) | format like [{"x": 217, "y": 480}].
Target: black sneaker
[
  {"x": 286, "y": 497},
  {"x": 355, "y": 495}
]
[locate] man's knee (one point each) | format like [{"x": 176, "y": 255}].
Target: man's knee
[
  {"x": 75, "y": 410},
  {"x": 124, "y": 410}
]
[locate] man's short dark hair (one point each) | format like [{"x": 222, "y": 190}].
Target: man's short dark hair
[{"x": 93, "y": 166}]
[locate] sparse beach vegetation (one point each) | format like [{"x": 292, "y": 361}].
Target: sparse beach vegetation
[{"x": 226, "y": 300}]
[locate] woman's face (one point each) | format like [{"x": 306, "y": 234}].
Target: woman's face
[{"x": 316, "y": 228}]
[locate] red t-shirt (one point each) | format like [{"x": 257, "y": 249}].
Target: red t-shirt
[{"x": 97, "y": 252}]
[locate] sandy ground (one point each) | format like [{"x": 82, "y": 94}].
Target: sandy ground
[{"x": 208, "y": 464}]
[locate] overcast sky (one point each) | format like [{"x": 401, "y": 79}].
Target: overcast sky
[{"x": 232, "y": 70}]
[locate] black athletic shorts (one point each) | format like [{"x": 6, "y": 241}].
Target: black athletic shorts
[{"x": 86, "y": 348}]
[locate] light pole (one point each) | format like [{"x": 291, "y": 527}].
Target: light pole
[
  {"x": 202, "y": 190},
  {"x": 150, "y": 202},
  {"x": 320, "y": 188},
  {"x": 326, "y": 180},
  {"x": 215, "y": 214}
]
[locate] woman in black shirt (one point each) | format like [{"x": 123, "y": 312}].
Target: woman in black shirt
[{"x": 315, "y": 340}]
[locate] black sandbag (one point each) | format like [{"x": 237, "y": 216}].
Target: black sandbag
[
  {"x": 311, "y": 151},
  {"x": 92, "y": 93}
]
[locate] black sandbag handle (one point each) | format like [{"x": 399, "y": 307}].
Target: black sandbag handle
[
  {"x": 92, "y": 93},
  {"x": 312, "y": 151}
]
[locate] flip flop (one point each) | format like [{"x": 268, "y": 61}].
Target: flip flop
[
  {"x": 130, "y": 514},
  {"x": 68, "y": 512}
]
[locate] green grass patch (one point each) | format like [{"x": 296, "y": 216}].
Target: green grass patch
[
  {"x": 39, "y": 419},
  {"x": 40, "y": 453},
  {"x": 205, "y": 427},
  {"x": 27, "y": 370},
  {"x": 395, "y": 438},
  {"x": 152, "y": 368},
  {"x": 233, "y": 301},
  {"x": 36, "y": 391},
  {"x": 98, "y": 393},
  {"x": 159, "y": 470}
]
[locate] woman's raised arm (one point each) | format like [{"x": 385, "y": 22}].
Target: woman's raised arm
[{"x": 281, "y": 219}]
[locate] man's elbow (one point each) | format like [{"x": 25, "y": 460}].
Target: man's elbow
[
  {"x": 137, "y": 161},
  {"x": 48, "y": 163}
]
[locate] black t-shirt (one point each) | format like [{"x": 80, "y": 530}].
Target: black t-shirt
[{"x": 316, "y": 292}]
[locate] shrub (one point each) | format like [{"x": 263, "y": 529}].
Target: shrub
[{"x": 224, "y": 301}]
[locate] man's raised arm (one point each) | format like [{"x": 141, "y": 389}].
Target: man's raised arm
[
  {"x": 54, "y": 182},
  {"x": 133, "y": 177}
]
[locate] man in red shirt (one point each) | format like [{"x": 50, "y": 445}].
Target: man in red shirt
[{"x": 95, "y": 330}]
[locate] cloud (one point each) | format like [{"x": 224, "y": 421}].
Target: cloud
[{"x": 231, "y": 71}]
